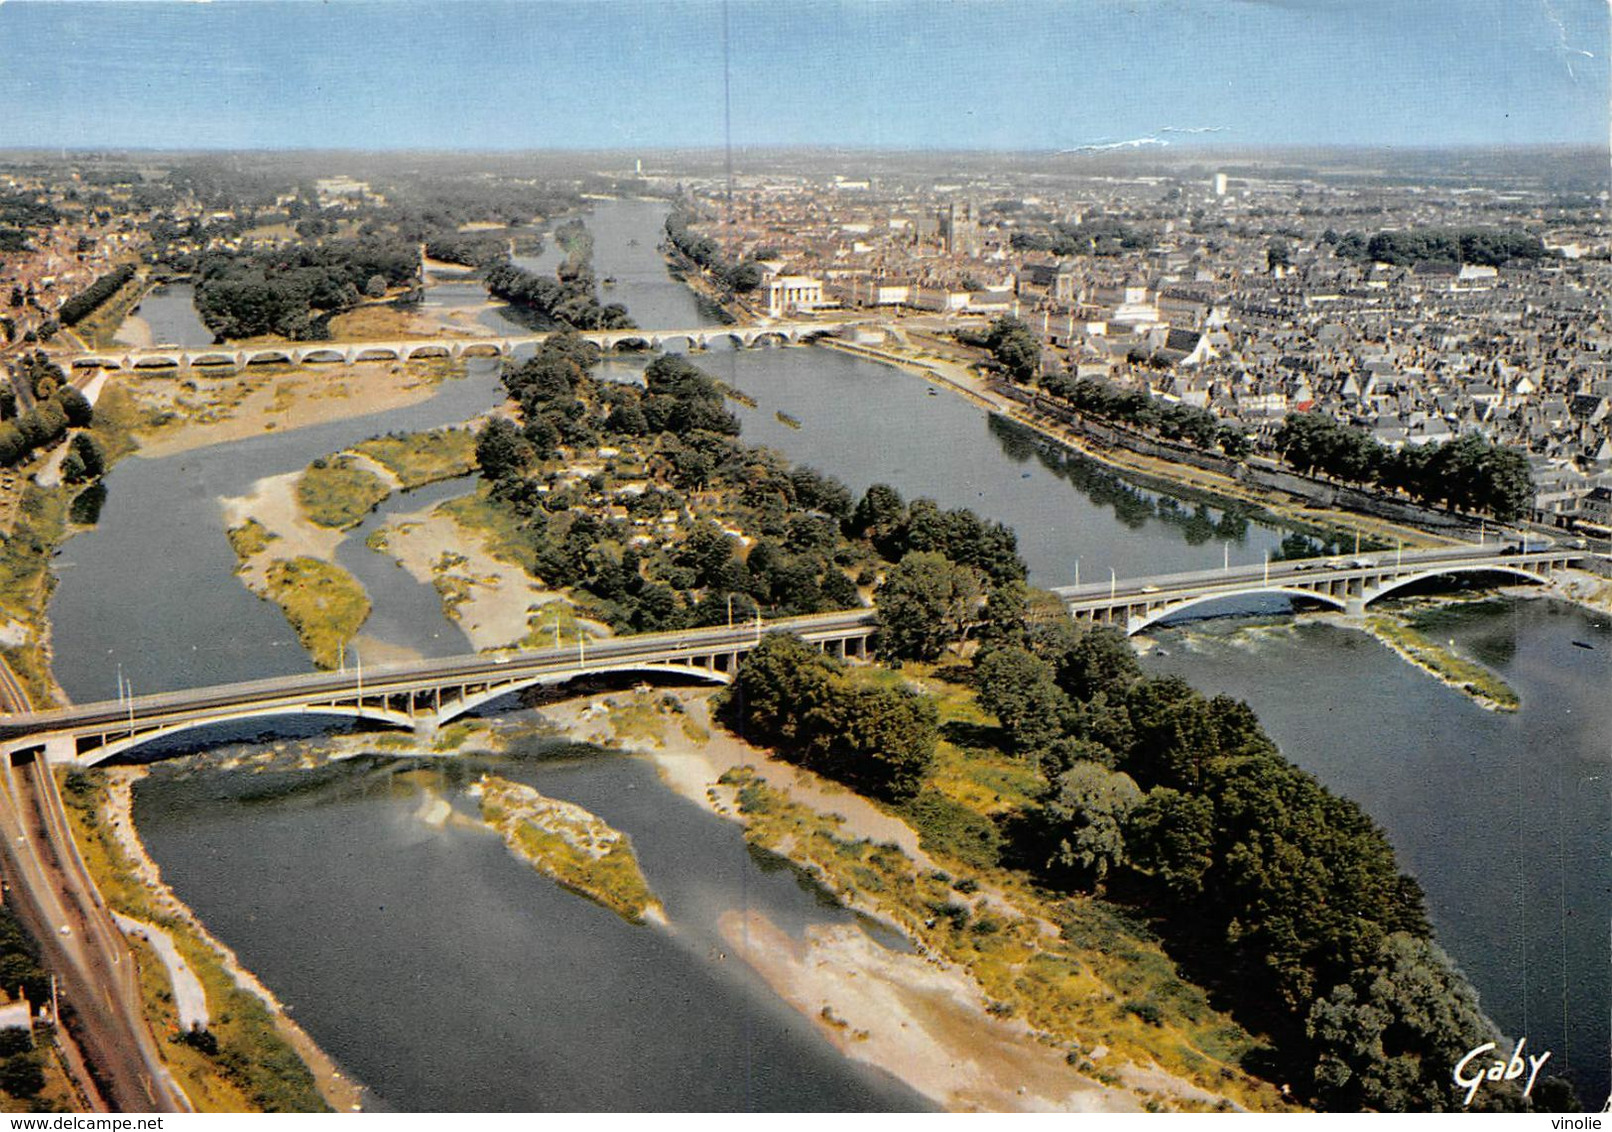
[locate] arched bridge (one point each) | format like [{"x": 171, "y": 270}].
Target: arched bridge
[
  {"x": 420, "y": 696},
  {"x": 1348, "y": 584},
  {"x": 229, "y": 357}
]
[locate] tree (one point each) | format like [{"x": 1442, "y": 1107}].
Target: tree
[
  {"x": 1171, "y": 838},
  {"x": 792, "y": 697},
  {"x": 1017, "y": 687},
  {"x": 925, "y": 603},
  {"x": 881, "y": 740},
  {"x": 879, "y": 512},
  {"x": 375, "y": 288},
  {"x": 1088, "y": 661},
  {"x": 1278, "y": 255},
  {"x": 1085, "y": 819},
  {"x": 1015, "y": 348},
  {"x": 89, "y": 456},
  {"x": 1174, "y": 734},
  {"x": 77, "y": 407},
  {"x": 1389, "y": 1039},
  {"x": 501, "y": 451}
]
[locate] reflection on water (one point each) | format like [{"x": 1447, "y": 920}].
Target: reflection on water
[
  {"x": 449, "y": 976},
  {"x": 1504, "y": 818}
]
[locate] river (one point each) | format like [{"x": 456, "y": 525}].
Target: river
[{"x": 1503, "y": 818}]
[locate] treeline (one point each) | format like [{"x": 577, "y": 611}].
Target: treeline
[
  {"x": 471, "y": 249},
  {"x": 1173, "y": 420},
  {"x": 424, "y": 206},
  {"x": 706, "y": 253},
  {"x": 807, "y": 707},
  {"x": 81, "y": 305},
  {"x": 292, "y": 291},
  {"x": 1098, "y": 236},
  {"x": 566, "y": 302},
  {"x": 1467, "y": 474},
  {"x": 58, "y": 407},
  {"x": 1285, "y": 897},
  {"x": 1485, "y": 247}
]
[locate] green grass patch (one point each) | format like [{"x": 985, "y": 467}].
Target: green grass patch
[
  {"x": 548, "y": 619},
  {"x": 1470, "y": 677},
  {"x": 567, "y": 843},
  {"x": 324, "y": 604},
  {"x": 457, "y": 734},
  {"x": 419, "y": 458},
  {"x": 1078, "y": 987},
  {"x": 948, "y": 827},
  {"x": 337, "y": 493},
  {"x": 249, "y": 539},
  {"x": 499, "y": 528}
]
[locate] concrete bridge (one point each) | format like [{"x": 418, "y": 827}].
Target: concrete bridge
[
  {"x": 419, "y": 696},
  {"x": 233, "y": 357},
  {"x": 1348, "y": 583}
]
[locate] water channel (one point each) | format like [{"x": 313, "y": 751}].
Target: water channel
[{"x": 1503, "y": 818}]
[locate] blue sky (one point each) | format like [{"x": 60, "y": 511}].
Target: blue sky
[{"x": 602, "y": 74}]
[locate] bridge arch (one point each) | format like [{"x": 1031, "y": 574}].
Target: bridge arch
[
  {"x": 469, "y": 703},
  {"x": 632, "y": 343},
  {"x": 156, "y": 361},
  {"x": 1154, "y": 616},
  {"x": 427, "y": 350},
  {"x": 268, "y": 357},
  {"x": 375, "y": 354},
  {"x": 1387, "y": 587},
  {"x": 322, "y": 355},
  {"x": 482, "y": 350},
  {"x": 122, "y": 745}
]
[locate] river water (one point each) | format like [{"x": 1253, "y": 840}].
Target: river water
[{"x": 1503, "y": 818}]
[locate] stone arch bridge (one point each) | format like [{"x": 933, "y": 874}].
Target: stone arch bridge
[{"x": 228, "y": 357}]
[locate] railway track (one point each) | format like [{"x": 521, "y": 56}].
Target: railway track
[{"x": 52, "y": 894}]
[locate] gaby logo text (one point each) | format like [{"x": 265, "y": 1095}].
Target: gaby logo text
[{"x": 1470, "y": 1072}]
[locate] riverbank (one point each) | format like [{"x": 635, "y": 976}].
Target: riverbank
[
  {"x": 494, "y": 601},
  {"x": 925, "y": 1017},
  {"x": 960, "y": 379},
  {"x": 132, "y": 884}
]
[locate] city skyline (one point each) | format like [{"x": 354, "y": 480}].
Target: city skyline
[{"x": 1020, "y": 75}]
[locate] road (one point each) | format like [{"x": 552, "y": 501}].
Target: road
[
  {"x": 374, "y": 682},
  {"x": 1297, "y": 570}
]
